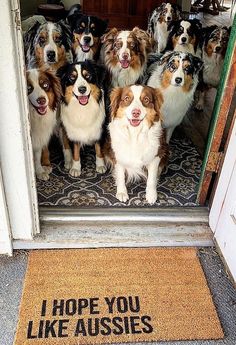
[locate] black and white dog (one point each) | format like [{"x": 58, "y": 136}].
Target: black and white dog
[
  {"x": 185, "y": 36},
  {"x": 214, "y": 45},
  {"x": 175, "y": 74},
  {"x": 87, "y": 32},
  {"x": 159, "y": 21},
  {"x": 82, "y": 112},
  {"x": 48, "y": 45}
]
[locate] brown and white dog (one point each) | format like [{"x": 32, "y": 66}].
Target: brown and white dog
[
  {"x": 44, "y": 94},
  {"x": 137, "y": 140},
  {"x": 124, "y": 53}
]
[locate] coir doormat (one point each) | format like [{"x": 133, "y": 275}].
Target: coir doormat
[{"x": 100, "y": 296}]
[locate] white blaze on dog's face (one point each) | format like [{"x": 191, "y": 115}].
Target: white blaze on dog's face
[
  {"x": 123, "y": 50},
  {"x": 38, "y": 85},
  {"x": 168, "y": 13},
  {"x": 136, "y": 103},
  {"x": 183, "y": 36},
  {"x": 81, "y": 89}
]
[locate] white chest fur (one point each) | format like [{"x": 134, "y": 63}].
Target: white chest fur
[
  {"x": 42, "y": 127},
  {"x": 212, "y": 69},
  {"x": 83, "y": 123},
  {"x": 161, "y": 35},
  {"x": 123, "y": 77},
  {"x": 134, "y": 147},
  {"x": 82, "y": 56}
]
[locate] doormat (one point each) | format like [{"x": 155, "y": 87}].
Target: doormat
[{"x": 101, "y": 296}]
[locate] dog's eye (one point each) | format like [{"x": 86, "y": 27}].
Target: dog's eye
[
  {"x": 42, "y": 40},
  {"x": 45, "y": 85},
  {"x": 132, "y": 45},
  {"x": 146, "y": 99},
  {"x": 127, "y": 98},
  {"x": 118, "y": 45},
  {"x": 57, "y": 39},
  {"x": 72, "y": 77},
  {"x": 29, "y": 89},
  {"x": 172, "y": 67}
]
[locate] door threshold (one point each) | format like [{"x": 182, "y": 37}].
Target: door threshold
[{"x": 120, "y": 227}]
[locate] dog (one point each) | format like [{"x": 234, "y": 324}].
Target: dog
[
  {"x": 82, "y": 112},
  {"x": 159, "y": 21},
  {"x": 136, "y": 141},
  {"x": 214, "y": 45},
  {"x": 176, "y": 76},
  {"x": 124, "y": 53},
  {"x": 44, "y": 95},
  {"x": 48, "y": 45},
  {"x": 184, "y": 36},
  {"x": 87, "y": 32}
]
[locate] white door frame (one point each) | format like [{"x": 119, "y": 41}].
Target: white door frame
[
  {"x": 15, "y": 142},
  {"x": 5, "y": 230}
]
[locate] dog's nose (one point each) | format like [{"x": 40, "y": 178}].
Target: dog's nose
[
  {"x": 136, "y": 113},
  {"x": 125, "y": 56},
  {"x": 51, "y": 55},
  {"x": 41, "y": 100},
  {"x": 168, "y": 18},
  {"x": 82, "y": 89},
  {"x": 217, "y": 49},
  {"x": 178, "y": 80},
  {"x": 183, "y": 39},
  {"x": 87, "y": 39}
]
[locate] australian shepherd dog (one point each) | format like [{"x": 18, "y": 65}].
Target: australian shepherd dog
[
  {"x": 87, "y": 32},
  {"x": 159, "y": 21},
  {"x": 44, "y": 94},
  {"x": 82, "y": 112},
  {"x": 185, "y": 36},
  {"x": 176, "y": 76},
  {"x": 48, "y": 45},
  {"x": 136, "y": 143},
  {"x": 214, "y": 45},
  {"x": 124, "y": 53}
]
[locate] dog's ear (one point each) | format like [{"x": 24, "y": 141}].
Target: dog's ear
[
  {"x": 178, "y": 11},
  {"x": 102, "y": 25},
  {"x": 197, "y": 63},
  {"x": 144, "y": 38},
  {"x": 110, "y": 35},
  {"x": 99, "y": 70},
  {"x": 30, "y": 34},
  {"x": 197, "y": 24},
  {"x": 66, "y": 34},
  {"x": 75, "y": 12},
  {"x": 61, "y": 74},
  {"x": 56, "y": 86},
  {"x": 165, "y": 58},
  {"x": 228, "y": 29},
  {"x": 115, "y": 98},
  {"x": 158, "y": 100},
  {"x": 205, "y": 33}
]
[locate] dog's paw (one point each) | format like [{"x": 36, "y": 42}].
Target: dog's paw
[
  {"x": 75, "y": 172},
  {"x": 151, "y": 196},
  {"x": 68, "y": 164},
  {"x": 47, "y": 168},
  {"x": 101, "y": 169},
  {"x": 122, "y": 196},
  {"x": 199, "y": 106},
  {"x": 43, "y": 175}
]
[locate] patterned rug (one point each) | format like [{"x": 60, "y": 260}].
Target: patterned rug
[{"x": 177, "y": 185}]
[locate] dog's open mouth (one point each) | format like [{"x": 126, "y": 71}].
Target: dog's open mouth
[
  {"x": 135, "y": 122},
  {"x": 85, "y": 47},
  {"x": 124, "y": 63},
  {"x": 83, "y": 100},
  {"x": 41, "y": 110}
]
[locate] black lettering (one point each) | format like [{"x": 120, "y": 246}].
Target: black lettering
[
  {"x": 134, "y": 308},
  {"x": 70, "y": 307},
  {"x": 41, "y": 329},
  {"x": 149, "y": 328},
  {"x": 110, "y": 304},
  {"x": 133, "y": 324},
  {"x": 29, "y": 331},
  {"x": 43, "y": 309},
  {"x": 126, "y": 323},
  {"x": 80, "y": 328},
  {"x": 82, "y": 303},
  {"x": 116, "y": 322},
  {"x": 93, "y": 305},
  {"x": 49, "y": 328},
  {"x": 58, "y": 305},
  {"x": 122, "y": 304},
  {"x": 93, "y": 331},
  {"x": 105, "y": 324},
  {"x": 62, "y": 327}
]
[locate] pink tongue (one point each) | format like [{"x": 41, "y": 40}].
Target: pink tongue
[
  {"x": 86, "y": 48},
  {"x": 134, "y": 122},
  {"x": 83, "y": 100},
  {"x": 42, "y": 110},
  {"x": 124, "y": 63}
]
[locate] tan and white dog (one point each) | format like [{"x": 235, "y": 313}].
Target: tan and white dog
[
  {"x": 44, "y": 94},
  {"x": 137, "y": 140}
]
